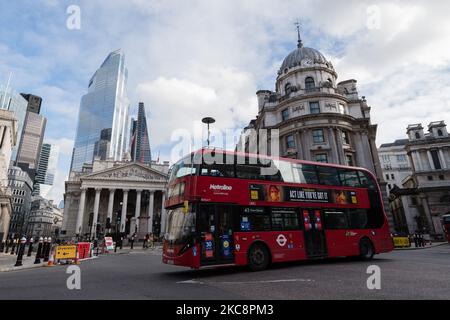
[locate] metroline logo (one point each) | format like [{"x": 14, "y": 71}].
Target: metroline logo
[{"x": 220, "y": 187}]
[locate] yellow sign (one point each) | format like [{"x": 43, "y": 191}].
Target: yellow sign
[
  {"x": 401, "y": 242},
  {"x": 185, "y": 206},
  {"x": 66, "y": 252},
  {"x": 254, "y": 194}
]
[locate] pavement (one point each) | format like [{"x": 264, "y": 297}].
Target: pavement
[
  {"x": 140, "y": 274},
  {"x": 7, "y": 260},
  {"x": 432, "y": 245}
]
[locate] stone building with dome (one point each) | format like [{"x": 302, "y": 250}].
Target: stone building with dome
[{"x": 319, "y": 118}]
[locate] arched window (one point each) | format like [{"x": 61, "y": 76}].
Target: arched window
[
  {"x": 287, "y": 88},
  {"x": 439, "y": 132},
  {"x": 309, "y": 83},
  {"x": 417, "y": 135}
]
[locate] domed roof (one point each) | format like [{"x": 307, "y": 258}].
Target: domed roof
[{"x": 295, "y": 57}]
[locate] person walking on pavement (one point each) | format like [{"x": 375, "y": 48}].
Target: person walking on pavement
[
  {"x": 152, "y": 240},
  {"x": 132, "y": 240},
  {"x": 145, "y": 244},
  {"x": 416, "y": 240}
]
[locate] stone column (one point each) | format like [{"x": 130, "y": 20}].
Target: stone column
[
  {"x": 333, "y": 146},
  {"x": 124, "y": 210},
  {"x": 430, "y": 159},
  {"x": 137, "y": 212},
  {"x": 416, "y": 160},
  {"x": 4, "y": 222},
  {"x": 443, "y": 161},
  {"x": 110, "y": 204},
  {"x": 150, "y": 212},
  {"x": 163, "y": 215},
  {"x": 95, "y": 218},
  {"x": 80, "y": 215},
  {"x": 340, "y": 147}
]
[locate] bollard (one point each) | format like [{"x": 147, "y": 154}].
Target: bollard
[
  {"x": 13, "y": 246},
  {"x": 47, "y": 251},
  {"x": 44, "y": 248},
  {"x": 7, "y": 245},
  {"x": 30, "y": 248},
  {"x": 39, "y": 251},
  {"x": 2, "y": 246},
  {"x": 20, "y": 252}
]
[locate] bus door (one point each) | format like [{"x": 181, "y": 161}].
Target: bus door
[
  {"x": 216, "y": 233},
  {"x": 314, "y": 233}
]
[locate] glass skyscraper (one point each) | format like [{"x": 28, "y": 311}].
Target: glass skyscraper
[
  {"x": 13, "y": 101},
  {"x": 48, "y": 163},
  {"x": 103, "y": 119},
  {"x": 140, "y": 144}
]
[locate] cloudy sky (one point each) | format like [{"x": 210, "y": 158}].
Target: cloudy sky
[{"x": 190, "y": 59}]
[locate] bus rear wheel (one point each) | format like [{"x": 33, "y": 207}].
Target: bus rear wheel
[
  {"x": 366, "y": 250},
  {"x": 258, "y": 257}
]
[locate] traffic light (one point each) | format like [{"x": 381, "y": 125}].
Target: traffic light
[
  {"x": 118, "y": 217},
  {"x": 108, "y": 223}
]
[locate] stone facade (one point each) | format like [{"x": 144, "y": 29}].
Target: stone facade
[
  {"x": 44, "y": 218},
  {"x": 425, "y": 195},
  {"x": 109, "y": 188},
  {"x": 8, "y": 138},
  {"x": 395, "y": 163},
  {"x": 21, "y": 187}
]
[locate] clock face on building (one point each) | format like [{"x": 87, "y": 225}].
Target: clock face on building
[{"x": 307, "y": 62}]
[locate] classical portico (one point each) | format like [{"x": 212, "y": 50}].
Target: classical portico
[{"x": 133, "y": 192}]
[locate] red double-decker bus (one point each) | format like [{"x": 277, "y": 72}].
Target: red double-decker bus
[
  {"x": 446, "y": 226},
  {"x": 234, "y": 208}
]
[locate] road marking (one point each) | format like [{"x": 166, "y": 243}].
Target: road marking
[{"x": 193, "y": 281}]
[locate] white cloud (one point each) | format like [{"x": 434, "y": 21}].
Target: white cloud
[{"x": 65, "y": 145}]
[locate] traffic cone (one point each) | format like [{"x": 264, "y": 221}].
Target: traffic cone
[{"x": 50, "y": 260}]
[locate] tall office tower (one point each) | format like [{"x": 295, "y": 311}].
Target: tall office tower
[
  {"x": 12, "y": 101},
  {"x": 31, "y": 143},
  {"x": 103, "y": 119},
  {"x": 34, "y": 102},
  {"x": 140, "y": 144},
  {"x": 48, "y": 162}
]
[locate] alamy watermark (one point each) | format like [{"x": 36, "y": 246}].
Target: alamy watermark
[
  {"x": 374, "y": 280},
  {"x": 74, "y": 280},
  {"x": 73, "y": 21}
]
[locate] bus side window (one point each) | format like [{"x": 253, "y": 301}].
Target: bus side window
[
  {"x": 357, "y": 218},
  {"x": 328, "y": 176},
  {"x": 349, "y": 178},
  {"x": 254, "y": 219},
  {"x": 335, "y": 219},
  {"x": 367, "y": 180}
]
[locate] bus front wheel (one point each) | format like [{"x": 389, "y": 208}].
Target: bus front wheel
[
  {"x": 258, "y": 257},
  {"x": 366, "y": 250}
]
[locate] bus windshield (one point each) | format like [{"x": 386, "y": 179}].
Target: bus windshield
[
  {"x": 182, "y": 168},
  {"x": 181, "y": 226}
]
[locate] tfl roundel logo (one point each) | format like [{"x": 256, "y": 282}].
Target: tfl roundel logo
[{"x": 281, "y": 240}]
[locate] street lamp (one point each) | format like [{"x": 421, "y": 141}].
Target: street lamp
[{"x": 208, "y": 120}]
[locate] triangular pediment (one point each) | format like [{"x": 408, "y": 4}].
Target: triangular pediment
[{"x": 128, "y": 172}]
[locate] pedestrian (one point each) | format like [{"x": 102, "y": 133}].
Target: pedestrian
[
  {"x": 422, "y": 240},
  {"x": 145, "y": 244},
  {"x": 132, "y": 240},
  {"x": 152, "y": 240},
  {"x": 416, "y": 240}
]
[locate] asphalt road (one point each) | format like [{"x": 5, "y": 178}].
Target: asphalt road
[{"x": 408, "y": 274}]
